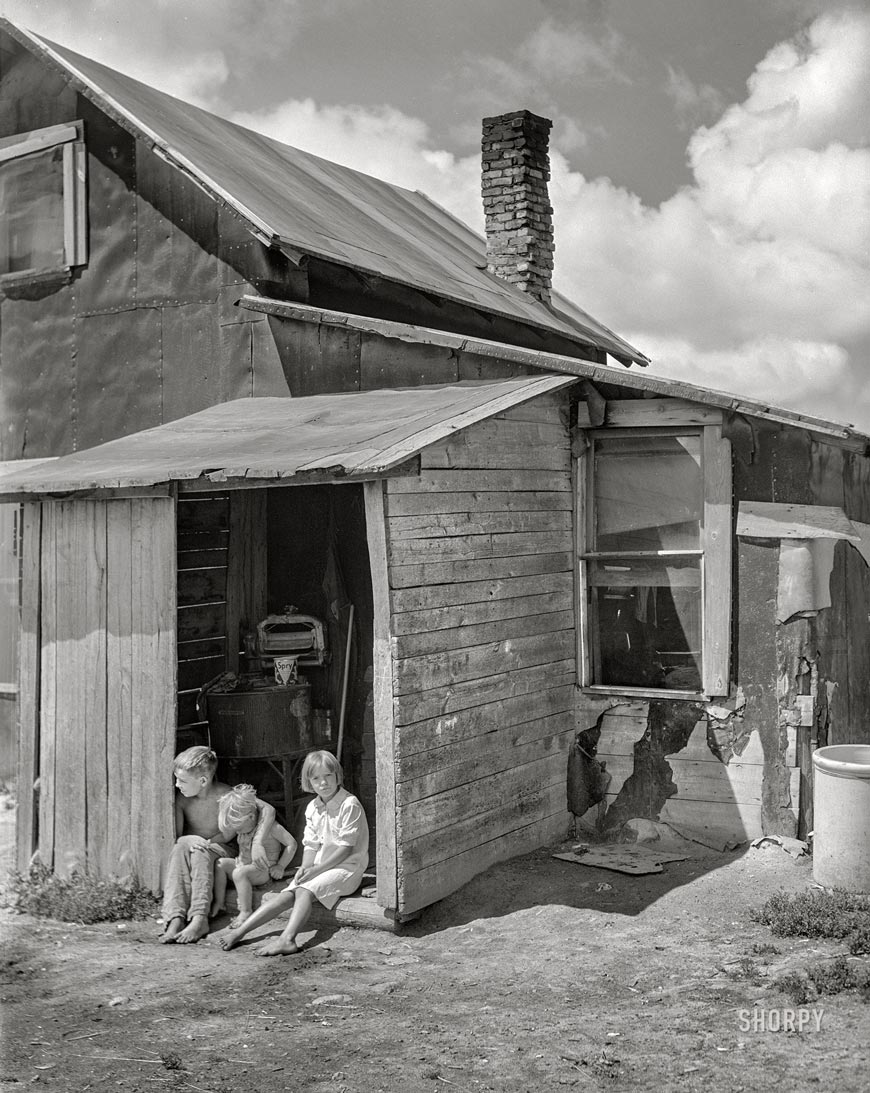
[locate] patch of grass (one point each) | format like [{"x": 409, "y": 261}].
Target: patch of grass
[
  {"x": 765, "y": 949},
  {"x": 815, "y": 913},
  {"x": 798, "y": 987},
  {"x": 746, "y": 968},
  {"x": 825, "y": 978},
  {"x": 78, "y": 898},
  {"x": 835, "y": 976},
  {"x": 859, "y": 942}
]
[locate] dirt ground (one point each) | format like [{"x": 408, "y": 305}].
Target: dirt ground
[{"x": 539, "y": 974}]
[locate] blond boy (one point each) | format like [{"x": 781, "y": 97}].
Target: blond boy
[{"x": 189, "y": 884}]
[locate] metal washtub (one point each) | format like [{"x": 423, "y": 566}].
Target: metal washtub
[{"x": 266, "y": 721}]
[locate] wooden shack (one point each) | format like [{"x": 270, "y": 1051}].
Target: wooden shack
[
  {"x": 471, "y": 671},
  {"x": 243, "y": 378}
]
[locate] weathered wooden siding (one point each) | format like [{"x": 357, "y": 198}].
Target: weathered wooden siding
[
  {"x": 480, "y": 551},
  {"x": 100, "y": 707}
]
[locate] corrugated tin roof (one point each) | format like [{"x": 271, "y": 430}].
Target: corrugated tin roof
[
  {"x": 309, "y": 204},
  {"x": 337, "y": 436}
]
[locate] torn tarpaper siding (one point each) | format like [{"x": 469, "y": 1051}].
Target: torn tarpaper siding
[{"x": 804, "y": 585}]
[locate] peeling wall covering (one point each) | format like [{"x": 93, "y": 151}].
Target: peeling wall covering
[{"x": 651, "y": 783}]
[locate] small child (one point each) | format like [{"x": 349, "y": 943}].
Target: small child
[
  {"x": 238, "y": 815},
  {"x": 336, "y": 855},
  {"x": 189, "y": 883}
]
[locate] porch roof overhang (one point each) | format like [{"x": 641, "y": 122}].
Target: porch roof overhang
[{"x": 319, "y": 438}]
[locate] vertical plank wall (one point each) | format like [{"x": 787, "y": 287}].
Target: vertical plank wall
[
  {"x": 106, "y": 686},
  {"x": 480, "y": 571}
]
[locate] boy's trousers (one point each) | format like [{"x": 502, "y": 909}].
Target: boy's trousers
[{"x": 189, "y": 884}]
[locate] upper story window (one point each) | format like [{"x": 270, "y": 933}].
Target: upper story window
[
  {"x": 42, "y": 202},
  {"x": 655, "y": 562}
]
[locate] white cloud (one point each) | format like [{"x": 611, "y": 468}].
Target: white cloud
[
  {"x": 761, "y": 269},
  {"x": 566, "y": 52},
  {"x": 187, "y": 50},
  {"x": 693, "y": 102},
  {"x": 810, "y": 377},
  {"x": 383, "y": 142},
  {"x": 754, "y": 279}
]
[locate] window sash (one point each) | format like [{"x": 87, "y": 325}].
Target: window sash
[
  {"x": 71, "y": 244},
  {"x": 714, "y": 554}
]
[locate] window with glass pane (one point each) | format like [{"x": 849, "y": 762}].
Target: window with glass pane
[
  {"x": 31, "y": 196},
  {"x": 645, "y": 561},
  {"x": 42, "y": 227}
]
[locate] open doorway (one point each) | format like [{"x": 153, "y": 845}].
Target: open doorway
[{"x": 246, "y": 556}]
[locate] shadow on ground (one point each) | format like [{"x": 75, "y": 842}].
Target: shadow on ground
[{"x": 538, "y": 880}]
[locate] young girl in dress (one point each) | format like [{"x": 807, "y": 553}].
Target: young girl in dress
[
  {"x": 238, "y": 814},
  {"x": 335, "y": 856}
]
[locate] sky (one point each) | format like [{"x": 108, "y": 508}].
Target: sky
[{"x": 710, "y": 158}]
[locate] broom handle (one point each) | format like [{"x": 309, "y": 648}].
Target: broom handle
[{"x": 344, "y": 684}]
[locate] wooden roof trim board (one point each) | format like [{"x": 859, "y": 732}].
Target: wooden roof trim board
[
  {"x": 555, "y": 362},
  {"x": 773, "y": 520},
  {"x": 337, "y": 437}
]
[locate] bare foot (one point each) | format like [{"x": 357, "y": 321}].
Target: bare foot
[
  {"x": 173, "y": 929},
  {"x": 241, "y": 917},
  {"x": 279, "y": 947},
  {"x": 196, "y": 929},
  {"x": 216, "y": 909},
  {"x": 230, "y": 939}
]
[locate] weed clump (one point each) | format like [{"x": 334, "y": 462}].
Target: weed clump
[
  {"x": 859, "y": 942},
  {"x": 77, "y": 898},
  {"x": 819, "y": 913},
  {"x": 815, "y": 913},
  {"x": 824, "y": 978},
  {"x": 172, "y": 1060}
]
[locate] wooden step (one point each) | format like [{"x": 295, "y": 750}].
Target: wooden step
[{"x": 360, "y": 909}]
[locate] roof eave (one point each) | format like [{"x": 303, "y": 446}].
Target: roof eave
[{"x": 555, "y": 362}]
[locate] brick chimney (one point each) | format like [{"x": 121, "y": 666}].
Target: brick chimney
[{"x": 516, "y": 203}]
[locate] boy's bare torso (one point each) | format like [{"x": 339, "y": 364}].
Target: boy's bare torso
[{"x": 201, "y": 813}]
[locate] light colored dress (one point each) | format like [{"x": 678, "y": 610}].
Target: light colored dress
[{"x": 339, "y": 822}]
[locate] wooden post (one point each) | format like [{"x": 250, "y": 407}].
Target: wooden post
[
  {"x": 28, "y": 685},
  {"x": 154, "y": 662},
  {"x": 717, "y": 560},
  {"x": 385, "y": 744}
]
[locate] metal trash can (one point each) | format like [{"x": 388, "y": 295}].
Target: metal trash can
[{"x": 841, "y": 816}]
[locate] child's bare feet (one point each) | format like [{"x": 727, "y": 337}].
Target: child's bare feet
[
  {"x": 281, "y": 946},
  {"x": 241, "y": 917},
  {"x": 216, "y": 908},
  {"x": 173, "y": 929},
  {"x": 196, "y": 929},
  {"x": 230, "y": 939}
]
